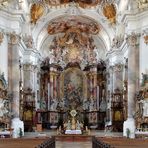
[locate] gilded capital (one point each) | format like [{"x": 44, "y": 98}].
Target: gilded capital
[
  {"x": 146, "y": 39},
  {"x": 28, "y": 40},
  {"x": 1, "y": 37},
  {"x": 132, "y": 39},
  {"x": 14, "y": 38},
  {"x": 118, "y": 67}
]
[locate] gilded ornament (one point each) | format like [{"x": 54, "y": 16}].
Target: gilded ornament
[
  {"x": 109, "y": 11},
  {"x": 14, "y": 38},
  {"x": 36, "y": 12}
]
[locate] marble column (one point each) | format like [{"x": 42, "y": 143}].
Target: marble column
[
  {"x": 55, "y": 86},
  {"x": 13, "y": 79},
  {"x": 118, "y": 76},
  {"x": 133, "y": 43},
  {"x": 51, "y": 85},
  {"x": 91, "y": 86},
  {"x": 114, "y": 78},
  {"x": 95, "y": 89},
  {"x": 28, "y": 69},
  {"x": 111, "y": 71},
  {"x": 125, "y": 78},
  {"x": 14, "y": 73}
]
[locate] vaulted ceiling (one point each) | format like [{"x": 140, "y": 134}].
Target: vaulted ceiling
[{"x": 76, "y": 14}]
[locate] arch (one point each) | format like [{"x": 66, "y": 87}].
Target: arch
[{"x": 40, "y": 30}]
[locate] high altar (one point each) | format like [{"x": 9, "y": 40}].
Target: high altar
[{"x": 71, "y": 78}]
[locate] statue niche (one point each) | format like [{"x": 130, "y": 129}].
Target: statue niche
[{"x": 73, "y": 89}]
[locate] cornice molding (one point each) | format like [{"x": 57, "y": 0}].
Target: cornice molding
[
  {"x": 136, "y": 16},
  {"x": 11, "y": 18}
]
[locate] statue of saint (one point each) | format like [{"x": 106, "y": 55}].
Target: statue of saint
[
  {"x": 73, "y": 126},
  {"x": 78, "y": 125},
  {"x": 68, "y": 126}
]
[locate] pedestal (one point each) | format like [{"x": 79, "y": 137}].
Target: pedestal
[
  {"x": 16, "y": 124},
  {"x": 129, "y": 124}
]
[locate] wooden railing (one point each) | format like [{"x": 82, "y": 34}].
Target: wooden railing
[
  {"x": 49, "y": 143},
  {"x": 99, "y": 144}
]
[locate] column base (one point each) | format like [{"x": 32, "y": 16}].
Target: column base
[
  {"x": 129, "y": 128},
  {"x": 18, "y": 126}
]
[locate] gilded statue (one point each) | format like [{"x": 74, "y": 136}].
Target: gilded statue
[
  {"x": 109, "y": 12},
  {"x": 36, "y": 12}
]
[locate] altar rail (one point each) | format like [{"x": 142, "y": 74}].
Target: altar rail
[
  {"x": 99, "y": 144},
  {"x": 49, "y": 143}
]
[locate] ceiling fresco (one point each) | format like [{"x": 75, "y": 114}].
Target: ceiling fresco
[
  {"x": 81, "y": 3},
  {"x": 61, "y": 25}
]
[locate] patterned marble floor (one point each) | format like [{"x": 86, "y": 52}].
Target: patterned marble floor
[{"x": 73, "y": 144}]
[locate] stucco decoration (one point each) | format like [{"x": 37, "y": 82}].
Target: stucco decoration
[
  {"x": 109, "y": 11},
  {"x": 37, "y": 10}
]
